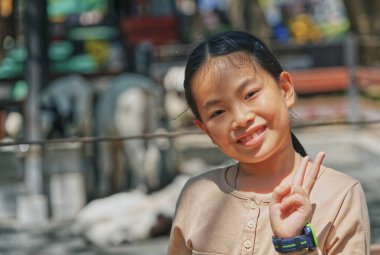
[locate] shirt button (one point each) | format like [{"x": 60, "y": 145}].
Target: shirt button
[
  {"x": 251, "y": 223},
  {"x": 247, "y": 244},
  {"x": 253, "y": 205}
]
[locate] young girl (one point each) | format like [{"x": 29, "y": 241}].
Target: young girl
[{"x": 268, "y": 201}]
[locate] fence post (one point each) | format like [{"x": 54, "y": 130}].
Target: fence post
[
  {"x": 351, "y": 59},
  {"x": 32, "y": 207}
]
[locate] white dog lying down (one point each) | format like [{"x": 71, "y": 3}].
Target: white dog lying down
[{"x": 127, "y": 216}]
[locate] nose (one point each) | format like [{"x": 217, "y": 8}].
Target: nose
[{"x": 242, "y": 118}]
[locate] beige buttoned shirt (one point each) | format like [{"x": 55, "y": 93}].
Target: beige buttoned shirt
[{"x": 213, "y": 218}]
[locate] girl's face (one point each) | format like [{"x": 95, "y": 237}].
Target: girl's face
[{"x": 242, "y": 108}]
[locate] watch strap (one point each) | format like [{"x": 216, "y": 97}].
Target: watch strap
[
  {"x": 307, "y": 240},
  {"x": 285, "y": 245}
]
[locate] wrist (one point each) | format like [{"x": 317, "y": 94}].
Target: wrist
[
  {"x": 288, "y": 233},
  {"x": 307, "y": 240}
]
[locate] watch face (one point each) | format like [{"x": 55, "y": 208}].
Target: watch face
[{"x": 309, "y": 232}]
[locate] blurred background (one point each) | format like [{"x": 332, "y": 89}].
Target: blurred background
[{"x": 96, "y": 137}]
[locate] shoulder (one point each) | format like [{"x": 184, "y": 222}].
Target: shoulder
[
  {"x": 333, "y": 184},
  {"x": 333, "y": 179},
  {"x": 206, "y": 184},
  {"x": 339, "y": 208},
  {"x": 206, "y": 179}
]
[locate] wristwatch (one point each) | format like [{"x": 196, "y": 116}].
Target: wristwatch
[{"x": 307, "y": 240}]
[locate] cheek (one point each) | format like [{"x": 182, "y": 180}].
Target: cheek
[
  {"x": 272, "y": 109},
  {"x": 218, "y": 133},
  {"x": 268, "y": 106}
]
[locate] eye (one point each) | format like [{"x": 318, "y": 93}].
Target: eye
[
  {"x": 216, "y": 114},
  {"x": 250, "y": 94}
]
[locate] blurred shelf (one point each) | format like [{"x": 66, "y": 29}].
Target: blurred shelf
[
  {"x": 333, "y": 79},
  {"x": 320, "y": 80}
]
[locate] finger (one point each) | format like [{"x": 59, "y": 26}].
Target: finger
[
  {"x": 313, "y": 173},
  {"x": 298, "y": 176},
  {"x": 279, "y": 192},
  {"x": 293, "y": 202}
]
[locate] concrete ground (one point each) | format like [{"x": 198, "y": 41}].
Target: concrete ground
[{"x": 58, "y": 240}]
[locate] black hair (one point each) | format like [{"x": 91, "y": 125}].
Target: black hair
[{"x": 225, "y": 43}]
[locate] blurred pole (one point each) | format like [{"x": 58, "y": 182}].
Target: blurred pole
[
  {"x": 1, "y": 33},
  {"x": 351, "y": 54},
  {"x": 36, "y": 74}
]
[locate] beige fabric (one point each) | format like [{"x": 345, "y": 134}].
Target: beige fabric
[{"x": 214, "y": 218}]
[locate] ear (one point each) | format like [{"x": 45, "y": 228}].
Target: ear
[
  {"x": 287, "y": 88},
  {"x": 201, "y": 126}
]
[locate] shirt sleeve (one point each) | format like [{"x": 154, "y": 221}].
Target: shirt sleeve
[
  {"x": 177, "y": 242},
  {"x": 350, "y": 232}
]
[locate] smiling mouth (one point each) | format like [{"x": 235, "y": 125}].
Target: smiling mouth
[{"x": 251, "y": 138}]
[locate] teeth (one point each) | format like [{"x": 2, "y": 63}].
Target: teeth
[{"x": 250, "y": 137}]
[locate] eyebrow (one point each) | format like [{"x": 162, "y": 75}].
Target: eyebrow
[
  {"x": 211, "y": 102},
  {"x": 241, "y": 87}
]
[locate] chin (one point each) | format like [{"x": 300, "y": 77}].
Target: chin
[{"x": 255, "y": 156}]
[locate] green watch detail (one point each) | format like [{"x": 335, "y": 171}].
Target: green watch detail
[
  {"x": 293, "y": 245},
  {"x": 312, "y": 231}
]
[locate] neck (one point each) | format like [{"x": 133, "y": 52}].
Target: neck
[{"x": 264, "y": 176}]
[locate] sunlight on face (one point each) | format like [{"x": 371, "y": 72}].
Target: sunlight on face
[{"x": 242, "y": 108}]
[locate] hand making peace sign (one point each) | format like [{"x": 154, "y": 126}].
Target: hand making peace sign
[{"x": 290, "y": 208}]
